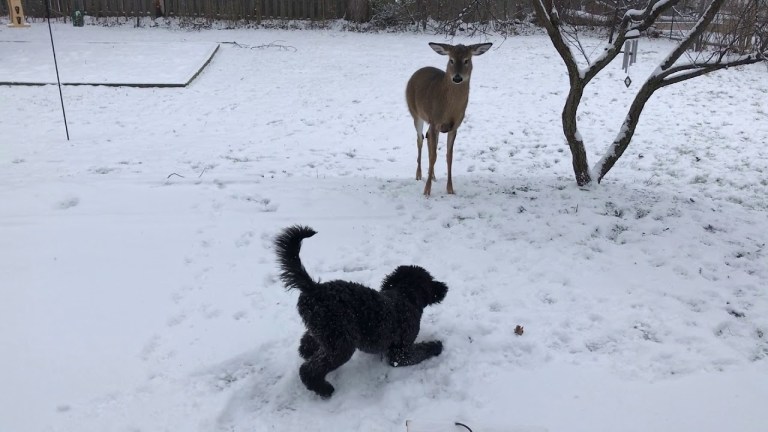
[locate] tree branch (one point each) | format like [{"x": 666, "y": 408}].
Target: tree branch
[
  {"x": 627, "y": 130},
  {"x": 694, "y": 34},
  {"x": 646, "y": 18},
  {"x": 669, "y": 73},
  {"x": 713, "y": 59},
  {"x": 684, "y": 73},
  {"x": 551, "y": 21}
]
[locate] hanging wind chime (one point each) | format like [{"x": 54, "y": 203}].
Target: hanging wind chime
[{"x": 630, "y": 53}]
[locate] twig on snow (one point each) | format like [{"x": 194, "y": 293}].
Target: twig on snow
[{"x": 274, "y": 44}]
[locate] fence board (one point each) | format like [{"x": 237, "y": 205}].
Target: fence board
[{"x": 258, "y": 9}]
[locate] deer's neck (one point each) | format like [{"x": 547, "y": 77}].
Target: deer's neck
[{"x": 459, "y": 92}]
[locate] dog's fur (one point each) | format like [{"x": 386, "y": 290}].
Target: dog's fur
[{"x": 343, "y": 316}]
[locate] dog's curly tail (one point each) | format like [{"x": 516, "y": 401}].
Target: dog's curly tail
[{"x": 288, "y": 245}]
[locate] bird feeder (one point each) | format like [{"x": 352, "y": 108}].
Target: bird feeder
[
  {"x": 17, "y": 14},
  {"x": 78, "y": 20}
]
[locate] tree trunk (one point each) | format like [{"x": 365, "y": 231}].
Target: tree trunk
[{"x": 572, "y": 135}]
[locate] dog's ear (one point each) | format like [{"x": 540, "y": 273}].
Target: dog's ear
[{"x": 439, "y": 290}]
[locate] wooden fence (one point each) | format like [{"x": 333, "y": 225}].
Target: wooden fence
[
  {"x": 250, "y": 10},
  {"x": 257, "y": 10}
]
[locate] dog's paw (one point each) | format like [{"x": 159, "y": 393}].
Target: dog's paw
[
  {"x": 324, "y": 390},
  {"x": 314, "y": 382},
  {"x": 434, "y": 348}
]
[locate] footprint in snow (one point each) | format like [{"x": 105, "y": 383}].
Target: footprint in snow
[
  {"x": 102, "y": 170},
  {"x": 245, "y": 239},
  {"x": 176, "y": 320},
  {"x": 150, "y": 347},
  {"x": 68, "y": 203}
]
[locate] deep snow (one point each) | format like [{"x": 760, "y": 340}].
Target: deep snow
[{"x": 139, "y": 284}]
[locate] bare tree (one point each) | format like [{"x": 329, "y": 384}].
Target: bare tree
[{"x": 728, "y": 49}]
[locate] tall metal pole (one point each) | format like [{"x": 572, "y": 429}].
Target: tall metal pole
[{"x": 56, "y": 64}]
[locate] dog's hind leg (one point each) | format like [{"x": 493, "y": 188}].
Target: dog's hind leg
[
  {"x": 413, "y": 354},
  {"x": 323, "y": 361},
  {"x": 308, "y": 346}
]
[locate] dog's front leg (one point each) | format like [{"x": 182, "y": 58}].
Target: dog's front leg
[{"x": 413, "y": 354}]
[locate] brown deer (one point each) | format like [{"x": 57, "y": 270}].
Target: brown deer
[{"x": 440, "y": 99}]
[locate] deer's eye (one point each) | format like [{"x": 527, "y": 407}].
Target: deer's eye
[
  {"x": 452, "y": 61},
  {"x": 466, "y": 61}
]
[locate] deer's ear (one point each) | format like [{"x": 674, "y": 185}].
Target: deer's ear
[
  {"x": 440, "y": 48},
  {"x": 478, "y": 49}
]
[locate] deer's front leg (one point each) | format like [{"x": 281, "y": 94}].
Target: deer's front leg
[
  {"x": 432, "y": 144},
  {"x": 419, "y": 124},
  {"x": 449, "y": 159},
  {"x": 434, "y": 178}
]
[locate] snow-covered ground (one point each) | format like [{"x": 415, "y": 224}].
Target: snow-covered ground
[
  {"x": 138, "y": 282},
  {"x": 106, "y": 63}
]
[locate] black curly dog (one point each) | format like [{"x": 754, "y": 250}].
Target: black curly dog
[{"x": 343, "y": 316}]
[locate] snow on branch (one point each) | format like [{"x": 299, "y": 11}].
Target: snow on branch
[
  {"x": 641, "y": 20},
  {"x": 684, "y": 72},
  {"x": 670, "y": 72},
  {"x": 696, "y": 31},
  {"x": 551, "y": 21},
  {"x": 633, "y": 22}
]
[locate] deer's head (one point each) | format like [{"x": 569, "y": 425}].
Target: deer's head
[{"x": 460, "y": 59}]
